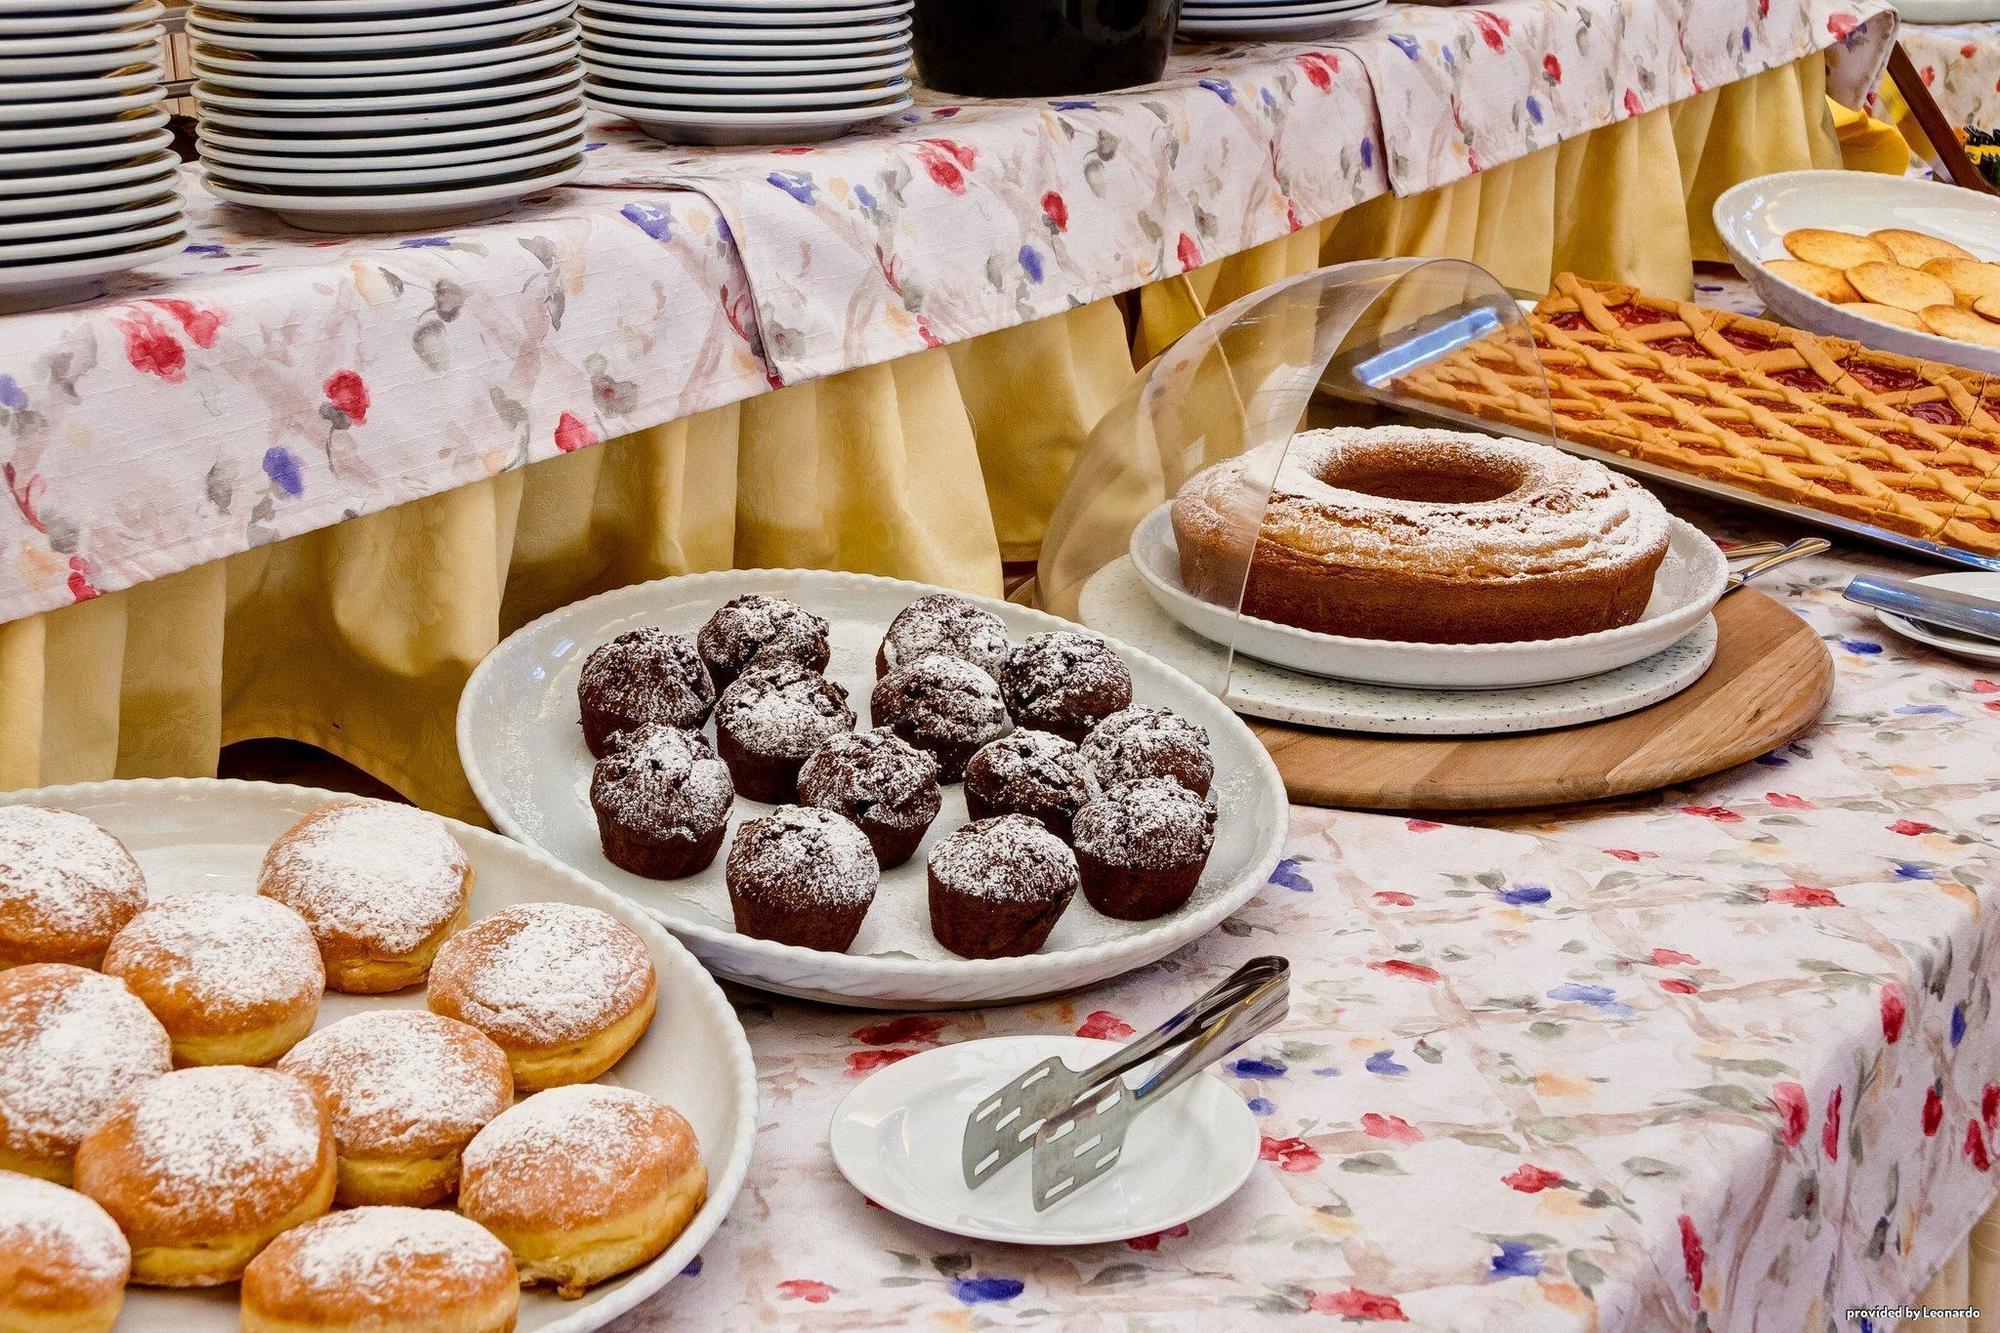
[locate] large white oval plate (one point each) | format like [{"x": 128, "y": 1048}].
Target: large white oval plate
[
  {"x": 194, "y": 835},
  {"x": 1686, "y": 588},
  {"x": 523, "y": 752},
  {"x": 1753, "y": 218}
]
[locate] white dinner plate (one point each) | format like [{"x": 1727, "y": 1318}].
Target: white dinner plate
[
  {"x": 87, "y": 53},
  {"x": 81, "y": 108},
  {"x": 1978, "y": 583},
  {"x": 1246, "y": 29},
  {"x": 856, "y": 97},
  {"x": 745, "y": 127},
  {"x": 1116, "y": 602},
  {"x": 145, "y": 168},
  {"x": 33, "y": 286},
  {"x": 195, "y": 835},
  {"x": 19, "y": 255},
  {"x": 719, "y": 75},
  {"x": 475, "y": 71},
  {"x": 320, "y": 11},
  {"x": 648, "y": 12},
  {"x": 1217, "y": 14},
  {"x": 485, "y": 116},
  {"x": 62, "y": 16},
  {"x": 1690, "y": 581},
  {"x": 896, "y": 57},
  {"x": 77, "y": 201},
  {"x": 380, "y": 155},
  {"x": 336, "y": 62},
  {"x": 312, "y": 174},
  {"x": 62, "y": 90},
  {"x": 726, "y": 41},
  {"x": 419, "y": 140},
  {"x": 504, "y": 94},
  {"x": 42, "y": 134},
  {"x": 409, "y": 210},
  {"x": 72, "y": 223},
  {"x": 523, "y": 751},
  {"x": 30, "y": 161},
  {"x": 896, "y": 1138},
  {"x": 417, "y": 32},
  {"x": 1754, "y": 216}
]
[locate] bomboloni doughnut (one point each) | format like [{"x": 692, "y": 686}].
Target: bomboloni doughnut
[
  {"x": 643, "y": 676},
  {"x": 1142, "y": 742},
  {"x": 998, "y": 887},
  {"x": 66, "y": 887},
  {"x": 878, "y": 780},
  {"x": 583, "y": 1183},
  {"x": 801, "y": 875},
  {"x": 407, "y": 1090},
  {"x": 234, "y": 978},
  {"x": 1064, "y": 682},
  {"x": 940, "y": 622},
  {"x": 945, "y": 705},
  {"x": 770, "y": 719},
  {"x": 1141, "y": 846},
  {"x": 1429, "y": 536},
  {"x": 202, "y": 1167},
  {"x": 63, "y": 1261},
  {"x": 564, "y": 990},
  {"x": 757, "y": 628},
  {"x": 381, "y": 885},
  {"x": 383, "y": 1270},
  {"x": 1032, "y": 773},
  {"x": 662, "y": 800},
  {"x": 71, "y": 1043}
]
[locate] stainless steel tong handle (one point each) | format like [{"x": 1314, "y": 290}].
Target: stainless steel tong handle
[
  {"x": 1798, "y": 550},
  {"x": 1250, "y": 1000}
]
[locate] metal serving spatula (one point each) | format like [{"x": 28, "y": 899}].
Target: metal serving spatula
[{"x": 1076, "y": 1123}]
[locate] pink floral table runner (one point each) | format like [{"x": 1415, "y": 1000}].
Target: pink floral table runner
[
  {"x": 1722, "y": 1058},
  {"x": 1960, "y": 63}
]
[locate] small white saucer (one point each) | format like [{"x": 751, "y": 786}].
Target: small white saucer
[
  {"x": 1979, "y": 583},
  {"x": 896, "y": 1138}
]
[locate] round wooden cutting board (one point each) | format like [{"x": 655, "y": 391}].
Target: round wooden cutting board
[{"x": 1770, "y": 679}]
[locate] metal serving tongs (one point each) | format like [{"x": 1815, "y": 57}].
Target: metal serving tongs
[
  {"x": 1076, "y": 1123},
  {"x": 1778, "y": 555}
]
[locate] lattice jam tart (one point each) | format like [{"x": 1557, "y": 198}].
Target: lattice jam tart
[{"x": 1907, "y": 445}]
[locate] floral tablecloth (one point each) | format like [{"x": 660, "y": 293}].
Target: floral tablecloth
[
  {"x": 1960, "y": 64},
  {"x": 267, "y": 383},
  {"x": 1724, "y": 1057}
]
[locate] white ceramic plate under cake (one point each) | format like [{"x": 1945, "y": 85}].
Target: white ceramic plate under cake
[
  {"x": 1117, "y": 602},
  {"x": 745, "y": 127},
  {"x": 1753, "y": 218},
  {"x": 409, "y": 210},
  {"x": 523, "y": 751},
  {"x": 204, "y": 836},
  {"x": 1689, "y": 583},
  {"x": 896, "y": 1138},
  {"x": 1977, "y": 583}
]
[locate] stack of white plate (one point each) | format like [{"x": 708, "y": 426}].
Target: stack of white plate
[
  {"x": 386, "y": 115},
  {"x": 747, "y": 71},
  {"x": 1272, "y": 20},
  {"x": 88, "y": 179}
]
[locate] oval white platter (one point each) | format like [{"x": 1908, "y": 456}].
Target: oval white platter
[
  {"x": 1117, "y": 602},
  {"x": 1754, "y": 216},
  {"x": 896, "y": 1139},
  {"x": 523, "y": 752},
  {"x": 194, "y": 835},
  {"x": 1689, "y": 583}
]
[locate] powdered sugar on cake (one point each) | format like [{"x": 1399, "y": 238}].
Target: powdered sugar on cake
[
  {"x": 71, "y": 1042},
  {"x": 234, "y": 950},
  {"x": 60, "y": 1232},
  {"x": 62, "y": 870},
  {"x": 1146, "y": 824},
  {"x": 205, "y": 1137},
  {"x": 660, "y": 775},
  {"x": 1010, "y": 857},
  {"x": 817, "y": 856},
  {"x": 389, "y": 875},
  {"x": 367, "y": 1249},
  {"x": 544, "y": 972},
  {"x": 944, "y": 697},
  {"x": 399, "y": 1081},
  {"x": 783, "y": 709},
  {"x": 943, "y": 623}
]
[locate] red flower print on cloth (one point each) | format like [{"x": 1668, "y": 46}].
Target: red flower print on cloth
[
  {"x": 1354, "y": 1303},
  {"x": 1056, "y": 211},
  {"x": 27, "y": 495},
  {"x": 1552, "y": 67},
  {"x": 1789, "y": 1101},
  {"x": 805, "y": 1289},
  {"x": 1188, "y": 252},
  {"x": 81, "y": 589},
  {"x": 1692, "y": 1256},
  {"x": 347, "y": 395},
  {"x": 1493, "y": 29},
  {"x": 1673, "y": 958},
  {"x": 1829, "y": 1133},
  {"x": 1292, "y": 1155},
  {"x": 1632, "y": 105},
  {"x": 1933, "y": 1110},
  {"x": 1787, "y": 801},
  {"x": 1910, "y": 828},
  {"x": 1147, "y": 1244},
  {"x": 1395, "y": 898},
  {"x": 1840, "y": 25},
  {"x": 910, "y": 1028},
  {"x": 1422, "y": 825},
  {"x": 947, "y": 162},
  {"x": 1105, "y": 1026},
  {"x": 1319, "y": 68},
  {"x": 572, "y": 434},
  {"x": 151, "y": 348},
  {"x": 198, "y": 324},
  {"x": 1975, "y": 1147},
  {"x": 1800, "y": 895},
  {"x": 1989, "y": 1106},
  {"x": 1678, "y": 986},
  {"x": 1532, "y": 1179},
  {"x": 1627, "y": 854},
  {"x": 1391, "y": 1127},
  {"x": 867, "y": 1062},
  {"x": 1396, "y": 967},
  {"x": 1893, "y": 1012},
  {"x": 1719, "y": 813}
]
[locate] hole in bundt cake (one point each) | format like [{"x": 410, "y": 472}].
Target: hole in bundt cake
[{"x": 1429, "y": 485}]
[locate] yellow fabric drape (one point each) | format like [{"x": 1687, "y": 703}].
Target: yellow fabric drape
[{"x": 359, "y": 638}]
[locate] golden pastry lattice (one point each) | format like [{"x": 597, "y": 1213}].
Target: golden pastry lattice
[{"x": 1903, "y": 444}]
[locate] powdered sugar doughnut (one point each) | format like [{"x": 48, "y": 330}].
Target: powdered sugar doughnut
[
  {"x": 407, "y": 1091},
  {"x": 71, "y": 1042},
  {"x": 66, "y": 887},
  {"x": 384, "y": 1270},
  {"x": 235, "y": 978},
  {"x": 202, "y": 1167},
  {"x": 564, "y": 990},
  {"x": 63, "y": 1261},
  {"x": 584, "y": 1182},
  {"x": 381, "y": 885}
]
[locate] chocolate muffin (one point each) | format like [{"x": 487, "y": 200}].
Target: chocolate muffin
[
  {"x": 939, "y": 622},
  {"x": 998, "y": 887},
  {"x": 756, "y": 628},
  {"x": 1064, "y": 682},
  {"x": 1142, "y": 742},
  {"x": 770, "y": 718},
  {"x": 1141, "y": 846},
  {"x": 1032, "y": 773},
  {"x": 662, "y": 800},
  {"x": 644, "y": 675},
  {"x": 885, "y": 785},
  {"x": 945, "y": 705},
  {"x": 803, "y": 876}
]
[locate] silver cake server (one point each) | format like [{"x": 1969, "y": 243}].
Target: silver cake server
[{"x": 1953, "y": 611}]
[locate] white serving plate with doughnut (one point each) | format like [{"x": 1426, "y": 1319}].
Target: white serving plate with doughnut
[
  {"x": 1689, "y": 583},
  {"x": 524, "y": 754},
  {"x": 198, "y": 835}
]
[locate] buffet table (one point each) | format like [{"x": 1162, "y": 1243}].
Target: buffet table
[{"x": 1722, "y": 1054}]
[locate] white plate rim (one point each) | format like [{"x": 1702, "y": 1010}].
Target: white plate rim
[
  {"x": 561, "y": 52},
  {"x": 564, "y": 79},
  {"x": 805, "y": 118},
  {"x": 94, "y": 217},
  {"x": 1185, "y": 927},
  {"x": 458, "y": 117},
  {"x": 896, "y": 57},
  {"x": 406, "y": 202},
  {"x": 281, "y": 156},
  {"x": 22, "y": 258},
  {"x": 336, "y": 145},
  {"x": 149, "y": 167},
  {"x": 37, "y": 133},
  {"x": 224, "y": 25},
  {"x": 897, "y": 88},
  {"x": 209, "y": 55},
  {"x": 41, "y": 16},
  {"x": 344, "y": 178},
  {"x": 42, "y": 91},
  {"x": 721, "y": 1013},
  {"x": 1243, "y": 1123},
  {"x": 1910, "y": 629}
]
